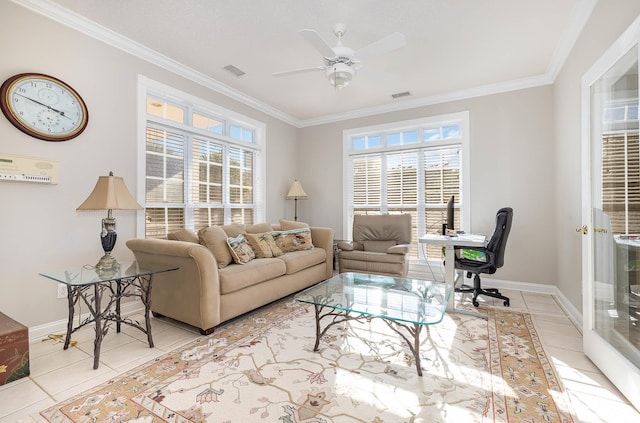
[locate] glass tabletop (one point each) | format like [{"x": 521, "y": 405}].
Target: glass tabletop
[
  {"x": 89, "y": 275},
  {"x": 409, "y": 300}
]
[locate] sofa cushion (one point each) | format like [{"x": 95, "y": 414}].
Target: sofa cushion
[
  {"x": 240, "y": 249},
  {"x": 186, "y": 235},
  {"x": 287, "y": 225},
  {"x": 263, "y": 245},
  {"x": 293, "y": 240},
  {"x": 215, "y": 239},
  {"x": 378, "y": 246},
  {"x": 259, "y": 228},
  {"x": 300, "y": 260},
  {"x": 234, "y": 229},
  {"x": 236, "y": 277},
  {"x": 371, "y": 256}
]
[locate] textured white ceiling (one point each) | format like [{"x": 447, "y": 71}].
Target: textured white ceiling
[{"x": 452, "y": 45}]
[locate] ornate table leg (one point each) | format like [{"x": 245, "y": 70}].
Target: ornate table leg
[
  {"x": 71, "y": 297},
  {"x": 414, "y": 346},
  {"x": 145, "y": 296},
  {"x": 97, "y": 297},
  {"x": 118, "y": 297}
]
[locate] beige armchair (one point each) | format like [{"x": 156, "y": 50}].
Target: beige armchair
[{"x": 380, "y": 245}]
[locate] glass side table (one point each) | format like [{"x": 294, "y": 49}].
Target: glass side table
[{"x": 101, "y": 290}]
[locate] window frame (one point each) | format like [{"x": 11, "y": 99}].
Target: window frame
[
  {"x": 459, "y": 118},
  {"x": 151, "y": 88}
]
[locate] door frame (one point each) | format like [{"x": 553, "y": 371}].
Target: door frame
[{"x": 613, "y": 365}]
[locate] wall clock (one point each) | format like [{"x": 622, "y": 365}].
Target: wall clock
[{"x": 43, "y": 106}]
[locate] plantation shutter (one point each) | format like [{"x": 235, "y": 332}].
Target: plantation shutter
[
  {"x": 367, "y": 183},
  {"x": 164, "y": 182},
  {"x": 621, "y": 181},
  {"x": 207, "y": 183},
  {"x": 402, "y": 179}
]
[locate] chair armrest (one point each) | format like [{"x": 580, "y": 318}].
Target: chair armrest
[
  {"x": 344, "y": 245},
  {"x": 399, "y": 249}
]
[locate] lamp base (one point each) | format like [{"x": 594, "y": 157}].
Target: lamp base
[{"x": 107, "y": 263}]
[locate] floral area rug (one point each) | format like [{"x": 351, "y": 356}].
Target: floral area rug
[{"x": 261, "y": 368}]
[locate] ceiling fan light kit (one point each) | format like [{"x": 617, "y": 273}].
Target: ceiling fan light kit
[
  {"x": 340, "y": 75},
  {"x": 340, "y": 61}
]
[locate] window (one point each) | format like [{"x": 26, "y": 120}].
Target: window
[
  {"x": 621, "y": 166},
  {"x": 409, "y": 167},
  {"x": 202, "y": 163}
]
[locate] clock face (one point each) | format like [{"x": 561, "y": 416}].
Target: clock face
[{"x": 43, "y": 107}]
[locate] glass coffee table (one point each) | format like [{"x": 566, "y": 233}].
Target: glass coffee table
[{"x": 405, "y": 305}]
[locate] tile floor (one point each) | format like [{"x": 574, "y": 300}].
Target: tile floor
[{"x": 58, "y": 374}]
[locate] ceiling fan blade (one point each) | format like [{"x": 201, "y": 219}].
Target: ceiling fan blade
[
  {"x": 382, "y": 46},
  {"x": 302, "y": 70},
  {"x": 376, "y": 75},
  {"x": 314, "y": 39}
]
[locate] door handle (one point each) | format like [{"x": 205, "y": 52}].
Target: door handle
[
  {"x": 601, "y": 230},
  {"x": 583, "y": 229}
]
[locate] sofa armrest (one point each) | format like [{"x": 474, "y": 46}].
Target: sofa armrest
[
  {"x": 345, "y": 246},
  {"x": 323, "y": 238},
  {"x": 399, "y": 249},
  {"x": 190, "y": 294}
]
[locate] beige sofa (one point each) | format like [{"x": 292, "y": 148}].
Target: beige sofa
[{"x": 204, "y": 293}]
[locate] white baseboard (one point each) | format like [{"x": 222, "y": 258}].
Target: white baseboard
[
  {"x": 574, "y": 315},
  {"x": 421, "y": 270},
  {"x": 37, "y": 333},
  {"x": 40, "y": 332}
]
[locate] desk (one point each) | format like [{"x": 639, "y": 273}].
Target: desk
[
  {"x": 90, "y": 284},
  {"x": 449, "y": 243}
]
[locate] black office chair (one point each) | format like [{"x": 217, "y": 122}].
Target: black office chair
[{"x": 494, "y": 252}]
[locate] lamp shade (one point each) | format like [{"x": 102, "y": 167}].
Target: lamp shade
[
  {"x": 110, "y": 193},
  {"x": 296, "y": 191}
]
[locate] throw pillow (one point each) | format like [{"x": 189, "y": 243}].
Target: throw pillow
[
  {"x": 287, "y": 225},
  {"x": 259, "y": 228},
  {"x": 234, "y": 229},
  {"x": 263, "y": 245},
  {"x": 215, "y": 239},
  {"x": 293, "y": 240},
  {"x": 240, "y": 249},
  {"x": 186, "y": 235}
]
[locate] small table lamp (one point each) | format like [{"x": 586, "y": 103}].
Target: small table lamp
[
  {"x": 110, "y": 193},
  {"x": 296, "y": 192}
]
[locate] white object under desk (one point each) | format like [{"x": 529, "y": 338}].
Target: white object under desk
[{"x": 449, "y": 242}]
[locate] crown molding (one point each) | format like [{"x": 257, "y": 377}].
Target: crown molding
[
  {"x": 92, "y": 29},
  {"x": 580, "y": 14},
  {"x": 578, "y": 19},
  {"x": 481, "y": 91}
]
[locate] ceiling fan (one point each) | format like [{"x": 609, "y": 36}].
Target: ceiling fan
[{"x": 341, "y": 62}]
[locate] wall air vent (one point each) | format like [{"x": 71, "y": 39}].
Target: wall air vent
[
  {"x": 27, "y": 169},
  {"x": 234, "y": 70},
  {"x": 399, "y": 95}
]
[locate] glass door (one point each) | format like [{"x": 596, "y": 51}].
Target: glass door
[{"x": 611, "y": 307}]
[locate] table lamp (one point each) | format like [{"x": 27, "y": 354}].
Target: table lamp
[
  {"x": 296, "y": 192},
  {"x": 110, "y": 193}
]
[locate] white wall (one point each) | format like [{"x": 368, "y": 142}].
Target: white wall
[
  {"x": 41, "y": 229},
  {"x": 608, "y": 21},
  {"x": 525, "y": 149},
  {"x": 512, "y": 164}
]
